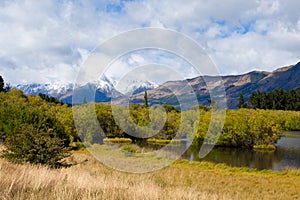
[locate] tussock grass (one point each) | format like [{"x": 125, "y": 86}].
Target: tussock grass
[{"x": 89, "y": 179}]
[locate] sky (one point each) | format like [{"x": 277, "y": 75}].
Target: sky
[{"x": 46, "y": 41}]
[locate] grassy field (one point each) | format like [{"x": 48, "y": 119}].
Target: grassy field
[{"x": 89, "y": 179}]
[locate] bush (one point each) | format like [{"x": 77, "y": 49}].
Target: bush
[
  {"x": 76, "y": 145},
  {"x": 36, "y": 146},
  {"x": 244, "y": 128},
  {"x": 30, "y": 131}
]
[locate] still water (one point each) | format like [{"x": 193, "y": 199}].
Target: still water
[{"x": 287, "y": 154}]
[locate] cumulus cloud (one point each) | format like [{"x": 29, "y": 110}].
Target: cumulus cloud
[
  {"x": 162, "y": 66},
  {"x": 49, "y": 40}
]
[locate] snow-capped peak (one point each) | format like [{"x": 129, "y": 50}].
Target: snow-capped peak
[
  {"x": 105, "y": 85},
  {"x": 55, "y": 89},
  {"x": 135, "y": 86}
]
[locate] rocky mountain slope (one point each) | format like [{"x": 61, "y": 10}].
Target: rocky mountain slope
[{"x": 285, "y": 78}]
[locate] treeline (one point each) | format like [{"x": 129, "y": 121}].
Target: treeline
[
  {"x": 50, "y": 99},
  {"x": 242, "y": 128},
  {"x": 135, "y": 126},
  {"x": 274, "y": 100}
]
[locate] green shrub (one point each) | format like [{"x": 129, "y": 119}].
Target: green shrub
[
  {"x": 36, "y": 146},
  {"x": 30, "y": 130},
  {"x": 76, "y": 145}
]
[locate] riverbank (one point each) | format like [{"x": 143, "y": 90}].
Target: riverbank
[{"x": 89, "y": 179}]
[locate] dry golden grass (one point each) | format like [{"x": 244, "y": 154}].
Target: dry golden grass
[{"x": 91, "y": 180}]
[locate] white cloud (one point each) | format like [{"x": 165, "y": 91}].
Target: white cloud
[
  {"x": 157, "y": 61},
  {"x": 42, "y": 41}
]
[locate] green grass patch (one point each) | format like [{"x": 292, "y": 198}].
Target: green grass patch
[
  {"x": 263, "y": 147},
  {"x": 118, "y": 140},
  {"x": 158, "y": 141}
]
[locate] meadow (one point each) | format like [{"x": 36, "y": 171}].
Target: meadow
[{"x": 89, "y": 179}]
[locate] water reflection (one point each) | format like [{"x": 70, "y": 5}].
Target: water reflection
[{"x": 286, "y": 155}]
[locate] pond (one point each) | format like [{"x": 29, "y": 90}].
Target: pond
[{"x": 287, "y": 154}]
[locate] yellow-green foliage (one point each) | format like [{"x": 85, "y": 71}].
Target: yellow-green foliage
[
  {"x": 292, "y": 121},
  {"x": 249, "y": 127},
  {"x": 243, "y": 127},
  {"x": 30, "y": 133}
]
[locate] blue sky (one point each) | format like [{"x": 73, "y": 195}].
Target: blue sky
[{"x": 42, "y": 41}]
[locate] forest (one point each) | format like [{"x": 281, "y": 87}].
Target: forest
[
  {"x": 277, "y": 99},
  {"x": 32, "y": 126}
]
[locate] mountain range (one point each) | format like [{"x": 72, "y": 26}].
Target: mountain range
[
  {"x": 107, "y": 89},
  {"x": 104, "y": 89}
]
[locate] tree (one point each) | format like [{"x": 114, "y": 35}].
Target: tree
[
  {"x": 1, "y": 84},
  {"x": 35, "y": 146},
  {"x": 50, "y": 99},
  {"x": 146, "y": 100},
  {"x": 213, "y": 104},
  {"x": 275, "y": 100},
  {"x": 7, "y": 88},
  {"x": 30, "y": 132},
  {"x": 241, "y": 101}
]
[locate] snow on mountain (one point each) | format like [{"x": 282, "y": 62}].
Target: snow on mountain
[
  {"x": 55, "y": 89},
  {"x": 105, "y": 84},
  {"x": 128, "y": 87},
  {"x": 106, "y": 87},
  {"x": 59, "y": 89}
]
